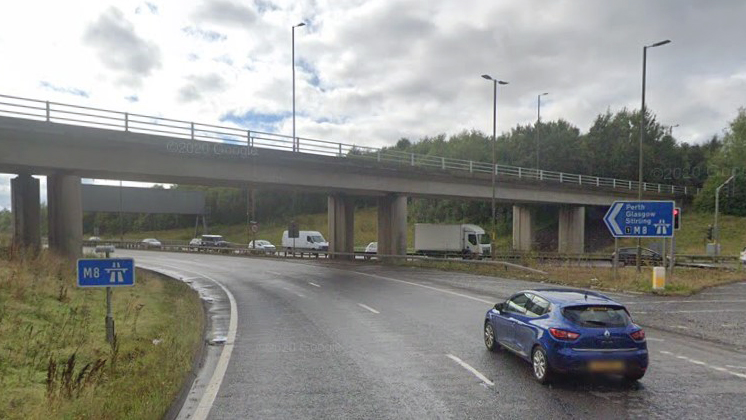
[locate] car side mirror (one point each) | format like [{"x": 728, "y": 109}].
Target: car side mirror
[{"x": 499, "y": 307}]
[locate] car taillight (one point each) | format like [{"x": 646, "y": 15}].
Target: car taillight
[
  {"x": 563, "y": 335},
  {"x": 638, "y": 335}
]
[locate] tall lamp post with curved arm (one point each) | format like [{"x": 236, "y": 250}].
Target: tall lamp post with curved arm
[
  {"x": 495, "y": 82},
  {"x": 295, "y": 140},
  {"x": 642, "y": 137}
]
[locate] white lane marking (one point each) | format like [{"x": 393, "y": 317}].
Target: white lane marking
[
  {"x": 424, "y": 286},
  {"x": 274, "y": 273},
  {"x": 313, "y": 284},
  {"x": 475, "y": 372},
  {"x": 654, "y": 339},
  {"x": 683, "y": 301},
  {"x": 212, "y": 388},
  {"x": 368, "y": 308},
  {"x": 713, "y": 367}
]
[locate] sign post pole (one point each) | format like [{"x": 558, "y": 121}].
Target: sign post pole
[
  {"x": 615, "y": 261},
  {"x": 109, "y": 316},
  {"x": 671, "y": 260}
]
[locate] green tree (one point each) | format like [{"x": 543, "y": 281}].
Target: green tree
[{"x": 729, "y": 160}]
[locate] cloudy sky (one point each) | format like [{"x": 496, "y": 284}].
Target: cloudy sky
[{"x": 371, "y": 72}]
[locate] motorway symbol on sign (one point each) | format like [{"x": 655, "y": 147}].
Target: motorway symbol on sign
[
  {"x": 640, "y": 219},
  {"x": 106, "y": 272}
]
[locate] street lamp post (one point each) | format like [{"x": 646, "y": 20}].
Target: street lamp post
[
  {"x": 495, "y": 82},
  {"x": 538, "y": 122},
  {"x": 717, "y": 211},
  {"x": 642, "y": 137},
  {"x": 295, "y": 141}
]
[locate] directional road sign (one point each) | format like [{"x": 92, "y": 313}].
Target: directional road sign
[
  {"x": 640, "y": 219},
  {"x": 106, "y": 272}
]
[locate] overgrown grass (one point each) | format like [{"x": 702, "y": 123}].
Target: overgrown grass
[
  {"x": 685, "y": 281},
  {"x": 54, "y": 358}
]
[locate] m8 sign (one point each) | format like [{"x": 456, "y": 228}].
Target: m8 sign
[{"x": 641, "y": 219}]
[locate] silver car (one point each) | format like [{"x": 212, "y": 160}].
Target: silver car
[
  {"x": 151, "y": 243},
  {"x": 263, "y": 245}
]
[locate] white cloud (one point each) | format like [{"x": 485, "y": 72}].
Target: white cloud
[{"x": 381, "y": 69}]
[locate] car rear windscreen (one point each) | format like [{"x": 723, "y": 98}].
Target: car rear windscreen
[{"x": 600, "y": 316}]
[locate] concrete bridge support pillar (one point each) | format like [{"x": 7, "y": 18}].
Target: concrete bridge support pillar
[
  {"x": 524, "y": 231},
  {"x": 65, "y": 215},
  {"x": 26, "y": 212},
  {"x": 341, "y": 213},
  {"x": 392, "y": 225},
  {"x": 571, "y": 230}
]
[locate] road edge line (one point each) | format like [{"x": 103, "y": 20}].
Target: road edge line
[{"x": 471, "y": 369}]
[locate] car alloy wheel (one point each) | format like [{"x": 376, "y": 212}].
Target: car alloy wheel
[
  {"x": 489, "y": 337},
  {"x": 540, "y": 364}
]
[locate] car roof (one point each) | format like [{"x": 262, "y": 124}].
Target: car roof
[
  {"x": 634, "y": 248},
  {"x": 570, "y": 297}
]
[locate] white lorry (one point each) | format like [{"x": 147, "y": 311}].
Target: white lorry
[
  {"x": 435, "y": 240},
  {"x": 306, "y": 240}
]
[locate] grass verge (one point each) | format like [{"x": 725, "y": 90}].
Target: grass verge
[
  {"x": 54, "y": 358},
  {"x": 686, "y": 281}
]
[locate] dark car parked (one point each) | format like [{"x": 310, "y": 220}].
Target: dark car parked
[{"x": 628, "y": 256}]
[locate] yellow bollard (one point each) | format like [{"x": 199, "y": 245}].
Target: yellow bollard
[{"x": 659, "y": 278}]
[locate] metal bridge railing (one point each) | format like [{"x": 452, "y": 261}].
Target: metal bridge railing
[{"x": 55, "y": 112}]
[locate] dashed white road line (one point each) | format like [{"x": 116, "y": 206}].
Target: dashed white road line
[
  {"x": 713, "y": 367},
  {"x": 468, "y": 367},
  {"x": 424, "y": 286},
  {"x": 368, "y": 308},
  {"x": 313, "y": 284},
  {"x": 654, "y": 339}
]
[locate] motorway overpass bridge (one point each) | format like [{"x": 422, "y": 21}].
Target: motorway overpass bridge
[{"x": 68, "y": 142}]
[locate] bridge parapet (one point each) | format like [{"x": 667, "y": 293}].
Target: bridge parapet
[{"x": 60, "y": 113}]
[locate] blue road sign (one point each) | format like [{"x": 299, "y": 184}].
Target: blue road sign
[
  {"x": 106, "y": 272},
  {"x": 640, "y": 219}
]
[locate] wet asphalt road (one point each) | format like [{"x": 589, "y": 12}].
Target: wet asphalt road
[{"x": 351, "y": 340}]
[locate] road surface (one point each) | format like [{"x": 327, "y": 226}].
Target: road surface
[{"x": 350, "y": 340}]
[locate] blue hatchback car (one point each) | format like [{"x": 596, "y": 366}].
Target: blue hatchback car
[{"x": 568, "y": 331}]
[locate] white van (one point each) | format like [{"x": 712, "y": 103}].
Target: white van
[{"x": 306, "y": 240}]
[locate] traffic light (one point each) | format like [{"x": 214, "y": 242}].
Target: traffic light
[{"x": 677, "y": 218}]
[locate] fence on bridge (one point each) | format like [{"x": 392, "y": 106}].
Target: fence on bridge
[{"x": 55, "y": 112}]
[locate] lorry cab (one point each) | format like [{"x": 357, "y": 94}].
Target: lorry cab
[
  {"x": 473, "y": 235},
  {"x": 307, "y": 239}
]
